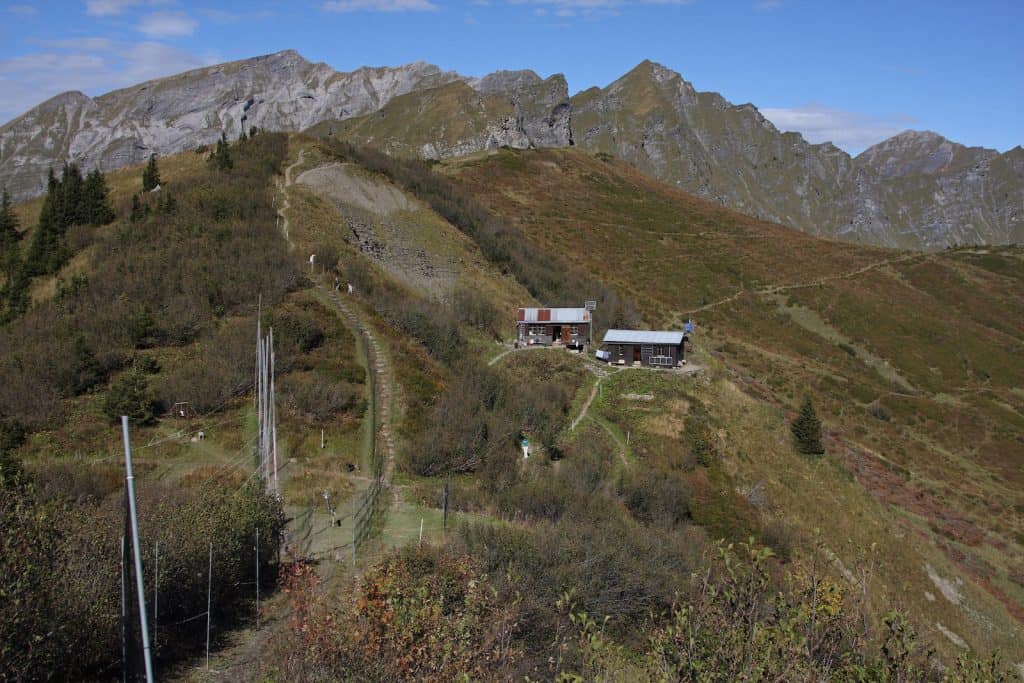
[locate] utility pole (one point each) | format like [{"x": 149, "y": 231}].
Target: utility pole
[
  {"x": 124, "y": 617},
  {"x": 156, "y": 594},
  {"x": 257, "y": 578},
  {"x": 444, "y": 520},
  {"x": 130, "y": 479},
  {"x": 273, "y": 414},
  {"x": 209, "y": 603}
]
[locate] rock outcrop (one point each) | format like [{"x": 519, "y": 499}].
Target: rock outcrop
[
  {"x": 915, "y": 190},
  {"x": 281, "y": 91}
]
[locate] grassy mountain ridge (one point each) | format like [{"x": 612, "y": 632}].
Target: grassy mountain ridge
[
  {"x": 915, "y": 190},
  {"x": 915, "y": 506},
  {"x": 913, "y": 359}
]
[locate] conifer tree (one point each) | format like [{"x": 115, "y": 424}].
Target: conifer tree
[
  {"x": 45, "y": 241},
  {"x": 151, "y": 175},
  {"x": 71, "y": 205},
  {"x": 96, "y": 208},
  {"x": 138, "y": 210},
  {"x": 221, "y": 157},
  {"x": 806, "y": 430},
  {"x": 8, "y": 223}
]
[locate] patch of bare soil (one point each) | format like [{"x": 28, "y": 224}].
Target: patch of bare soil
[{"x": 341, "y": 183}]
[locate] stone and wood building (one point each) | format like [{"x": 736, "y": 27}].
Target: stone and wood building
[
  {"x": 570, "y": 327},
  {"x": 662, "y": 348}
]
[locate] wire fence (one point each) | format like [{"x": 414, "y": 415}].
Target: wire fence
[{"x": 367, "y": 505}]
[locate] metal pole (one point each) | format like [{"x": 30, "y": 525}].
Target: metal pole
[
  {"x": 130, "y": 478},
  {"x": 444, "y": 521},
  {"x": 124, "y": 619},
  {"x": 259, "y": 325},
  {"x": 421, "y": 532},
  {"x": 273, "y": 413},
  {"x": 257, "y": 578},
  {"x": 156, "y": 594},
  {"x": 209, "y": 602}
]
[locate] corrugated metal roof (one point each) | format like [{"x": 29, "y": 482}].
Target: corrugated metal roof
[
  {"x": 643, "y": 337},
  {"x": 558, "y": 315}
]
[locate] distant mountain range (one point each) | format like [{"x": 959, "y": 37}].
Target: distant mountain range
[{"x": 915, "y": 190}]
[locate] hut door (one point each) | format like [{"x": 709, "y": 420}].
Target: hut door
[
  {"x": 636, "y": 354},
  {"x": 565, "y": 334},
  {"x": 645, "y": 354}
]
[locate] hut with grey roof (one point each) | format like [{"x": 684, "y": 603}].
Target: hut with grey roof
[{"x": 651, "y": 348}]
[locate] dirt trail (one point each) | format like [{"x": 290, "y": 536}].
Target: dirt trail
[
  {"x": 377, "y": 357},
  {"x": 282, "y": 211},
  {"x": 800, "y": 285},
  {"x": 586, "y": 405}
]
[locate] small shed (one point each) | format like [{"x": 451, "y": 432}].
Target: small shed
[
  {"x": 553, "y": 326},
  {"x": 652, "y": 348}
]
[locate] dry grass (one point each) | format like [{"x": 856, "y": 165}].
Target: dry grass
[{"x": 934, "y": 338}]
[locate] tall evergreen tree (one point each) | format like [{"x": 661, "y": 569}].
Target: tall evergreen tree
[
  {"x": 139, "y": 211},
  {"x": 43, "y": 249},
  {"x": 71, "y": 206},
  {"x": 96, "y": 208},
  {"x": 221, "y": 157},
  {"x": 151, "y": 175},
  {"x": 806, "y": 430},
  {"x": 8, "y": 223}
]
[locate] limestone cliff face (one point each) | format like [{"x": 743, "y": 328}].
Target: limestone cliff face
[
  {"x": 514, "y": 109},
  {"x": 916, "y": 190},
  {"x": 282, "y": 91}
]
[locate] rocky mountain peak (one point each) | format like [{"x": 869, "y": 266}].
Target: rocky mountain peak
[
  {"x": 921, "y": 152},
  {"x": 501, "y": 81}
]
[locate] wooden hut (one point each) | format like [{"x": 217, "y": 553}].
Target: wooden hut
[
  {"x": 661, "y": 348},
  {"x": 553, "y": 326}
]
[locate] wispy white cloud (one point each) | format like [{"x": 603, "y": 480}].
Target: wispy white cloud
[
  {"x": 22, "y": 10},
  {"x": 85, "y": 44},
  {"x": 167, "y": 25},
  {"x": 849, "y": 130},
  {"x": 591, "y": 8},
  {"x": 108, "y": 8},
  {"x": 27, "y": 80},
  {"x": 379, "y": 6},
  {"x": 222, "y": 17}
]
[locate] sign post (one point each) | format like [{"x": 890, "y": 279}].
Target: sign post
[{"x": 590, "y": 306}]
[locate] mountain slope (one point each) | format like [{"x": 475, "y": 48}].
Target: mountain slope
[
  {"x": 912, "y": 359},
  {"x": 917, "y": 190},
  {"x": 731, "y": 154}
]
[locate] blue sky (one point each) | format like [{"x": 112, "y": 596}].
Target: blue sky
[{"x": 851, "y": 72}]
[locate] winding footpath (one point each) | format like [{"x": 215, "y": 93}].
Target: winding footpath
[
  {"x": 285, "y": 205},
  {"x": 801, "y": 285}
]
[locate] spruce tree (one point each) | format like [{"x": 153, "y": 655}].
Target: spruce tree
[
  {"x": 71, "y": 205},
  {"x": 151, "y": 175},
  {"x": 96, "y": 208},
  {"x": 8, "y": 224},
  {"x": 42, "y": 251},
  {"x": 221, "y": 157},
  {"x": 138, "y": 210},
  {"x": 806, "y": 430}
]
